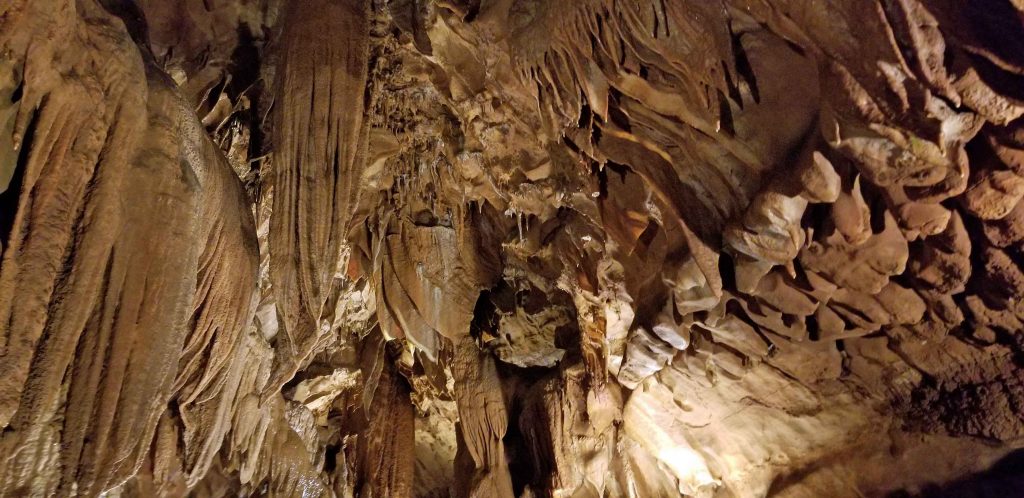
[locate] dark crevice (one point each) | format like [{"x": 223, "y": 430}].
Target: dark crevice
[
  {"x": 743, "y": 66},
  {"x": 18, "y": 92},
  {"x": 9, "y": 198},
  {"x": 813, "y": 330},
  {"x": 725, "y": 114}
]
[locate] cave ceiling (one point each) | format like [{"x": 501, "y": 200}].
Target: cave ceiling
[{"x": 511, "y": 248}]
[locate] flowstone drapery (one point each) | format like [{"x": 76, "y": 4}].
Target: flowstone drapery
[{"x": 497, "y": 248}]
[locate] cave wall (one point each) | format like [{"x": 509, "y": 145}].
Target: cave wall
[{"x": 510, "y": 247}]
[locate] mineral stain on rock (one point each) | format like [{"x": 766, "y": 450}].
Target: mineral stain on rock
[{"x": 511, "y": 248}]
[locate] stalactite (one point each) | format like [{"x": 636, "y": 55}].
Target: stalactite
[
  {"x": 368, "y": 248},
  {"x": 108, "y": 258},
  {"x": 320, "y": 149}
]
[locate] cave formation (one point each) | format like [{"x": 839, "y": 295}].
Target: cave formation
[{"x": 511, "y": 248}]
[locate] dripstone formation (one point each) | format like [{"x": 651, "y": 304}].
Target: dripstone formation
[{"x": 511, "y": 248}]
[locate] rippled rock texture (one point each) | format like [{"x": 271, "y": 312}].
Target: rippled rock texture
[{"x": 497, "y": 248}]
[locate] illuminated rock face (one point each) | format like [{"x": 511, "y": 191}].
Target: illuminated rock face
[{"x": 495, "y": 248}]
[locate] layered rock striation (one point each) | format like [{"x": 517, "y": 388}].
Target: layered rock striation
[{"x": 497, "y": 248}]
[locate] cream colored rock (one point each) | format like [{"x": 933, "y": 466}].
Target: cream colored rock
[{"x": 433, "y": 248}]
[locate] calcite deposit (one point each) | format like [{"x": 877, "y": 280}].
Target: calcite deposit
[{"x": 511, "y": 248}]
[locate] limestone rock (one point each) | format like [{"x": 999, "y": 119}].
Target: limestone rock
[{"x": 589, "y": 248}]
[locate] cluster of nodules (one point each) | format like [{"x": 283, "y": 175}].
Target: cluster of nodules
[{"x": 524, "y": 248}]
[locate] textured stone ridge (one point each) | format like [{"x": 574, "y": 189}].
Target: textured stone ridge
[{"x": 497, "y": 248}]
